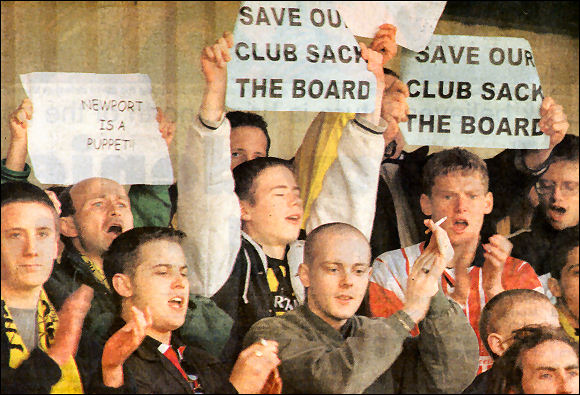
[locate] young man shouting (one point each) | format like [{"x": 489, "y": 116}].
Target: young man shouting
[
  {"x": 147, "y": 269},
  {"x": 455, "y": 186}
]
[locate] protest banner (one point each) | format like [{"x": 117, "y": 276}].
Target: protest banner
[
  {"x": 473, "y": 92},
  {"x": 95, "y": 125},
  {"x": 296, "y": 56},
  {"x": 415, "y": 20}
]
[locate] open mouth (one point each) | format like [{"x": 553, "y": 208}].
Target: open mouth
[
  {"x": 115, "y": 229},
  {"x": 177, "y": 302},
  {"x": 558, "y": 209},
  {"x": 460, "y": 225}
]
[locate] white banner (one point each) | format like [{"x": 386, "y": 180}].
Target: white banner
[
  {"x": 296, "y": 56},
  {"x": 95, "y": 125},
  {"x": 415, "y": 20},
  {"x": 473, "y": 92}
]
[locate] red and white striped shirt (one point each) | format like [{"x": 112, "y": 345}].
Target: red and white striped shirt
[{"x": 389, "y": 283}]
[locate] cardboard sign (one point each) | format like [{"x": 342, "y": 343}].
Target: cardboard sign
[
  {"x": 415, "y": 20},
  {"x": 473, "y": 92},
  {"x": 95, "y": 125},
  {"x": 296, "y": 56}
]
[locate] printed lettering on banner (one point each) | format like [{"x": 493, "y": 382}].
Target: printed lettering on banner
[
  {"x": 296, "y": 56},
  {"x": 473, "y": 92},
  {"x": 95, "y": 125}
]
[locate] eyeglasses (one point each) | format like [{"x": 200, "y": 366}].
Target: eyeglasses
[{"x": 567, "y": 188}]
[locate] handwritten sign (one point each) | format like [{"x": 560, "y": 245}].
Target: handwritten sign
[
  {"x": 95, "y": 125},
  {"x": 473, "y": 92},
  {"x": 296, "y": 56},
  {"x": 415, "y": 20}
]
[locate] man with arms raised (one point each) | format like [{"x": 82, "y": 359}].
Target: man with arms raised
[
  {"x": 455, "y": 187},
  {"x": 325, "y": 348},
  {"x": 242, "y": 242}
]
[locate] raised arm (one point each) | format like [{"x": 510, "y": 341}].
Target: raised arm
[
  {"x": 14, "y": 167},
  {"x": 208, "y": 209},
  {"x": 553, "y": 123},
  {"x": 446, "y": 352},
  {"x": 349, "y": 188}
]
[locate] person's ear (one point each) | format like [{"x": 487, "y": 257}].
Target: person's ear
[
  {"x": 554, "y": 287},
  {"x": 68, "y": 227},
  {"x": 488, "y": 200},
  {"x": 245, "y": 211},
  {"x": 426, "y": 204},
  {"x": 122, "y": 284},
  {"x": 304, "y": 274},
  {"x": 497, "y": 344}
]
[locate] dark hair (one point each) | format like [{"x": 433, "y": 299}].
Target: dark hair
[
  {"x": 506, "y": 375},
  {"x": 499, "y": 307},
  {"x": 450, "y": 160},
  {"x": 241, "y": 118},
  {"x": 245, "y": 173},
  {"x": 566, "y": 150},
  {"x": 122, "y": 255},
  {"x": 67, "y": 207},
  {"x": 24, "y": 192},
  {"x": 559, "y": 253}
]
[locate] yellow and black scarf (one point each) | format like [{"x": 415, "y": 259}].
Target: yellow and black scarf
[{"x": 47, "y": 319}]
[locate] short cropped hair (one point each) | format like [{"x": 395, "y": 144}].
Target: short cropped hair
[
  {"x": 241, "y": 118},
  {"x": 310, "y": 245},
  {"x": 566, "y": 150},
  {"x": 245, "y": 173},
  {"x": 559, "y": 255},
  {"x": 506, "y": 376},
  {"x": 123, "y": 253},
  {"x": 24, "y": 192},
  {"x": 451, "y": 160},
  {"x": 498, "y": 308}
]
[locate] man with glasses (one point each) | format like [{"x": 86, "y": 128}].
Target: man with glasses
[{"x": 556, "y": 216}]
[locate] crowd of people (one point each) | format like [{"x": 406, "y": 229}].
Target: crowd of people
[{"x": 365, "y": 270}]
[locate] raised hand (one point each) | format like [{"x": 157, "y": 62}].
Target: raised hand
[
  {"x": 395, "y": 99},
  {"x": 384, "y": 42},
  {"x": 497, "y": 251},
  {"x": 554, "y": 122},
  {"x": 18, "y": 149},
  {"x": 423, "y": 281},
  {"x": 214, "y": 60},
  {"x": 253, "y": 368},
  {"x": 122, "y": 344},
  {"x": 70, "y": 324}
]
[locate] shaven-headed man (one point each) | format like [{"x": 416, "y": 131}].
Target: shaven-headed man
[{"x": 325, "y": 348}]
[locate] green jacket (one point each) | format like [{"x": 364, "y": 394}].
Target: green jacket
[{"x": 373, "y": 355}]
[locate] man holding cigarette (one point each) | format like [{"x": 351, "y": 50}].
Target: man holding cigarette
[
  {"x": 455, "y": 185},
  {"x": 325, "y": 348}
]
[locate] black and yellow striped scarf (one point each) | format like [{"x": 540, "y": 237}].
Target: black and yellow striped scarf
[{"x": 47, "y": 319}]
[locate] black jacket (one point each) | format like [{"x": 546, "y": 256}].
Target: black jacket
[
  {"x": 536, "y": 246},
  {"x": 149, "y": 371}
]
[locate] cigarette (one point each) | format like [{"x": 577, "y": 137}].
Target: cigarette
[{"x": 436, "y": 223}]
